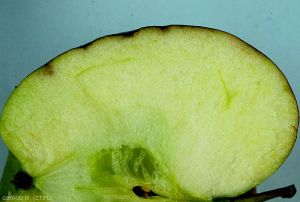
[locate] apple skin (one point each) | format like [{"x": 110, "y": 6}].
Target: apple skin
[{"x": 14, "y": 166}]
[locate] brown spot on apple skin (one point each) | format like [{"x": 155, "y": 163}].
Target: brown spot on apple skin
[
  {"x": 128, "y": 34},
  {"x": 22, "y": 180},
  {"x": 85, "y": 46},
  {"x": 295, "y": 127},
  {"x": 48, "y": 70}
]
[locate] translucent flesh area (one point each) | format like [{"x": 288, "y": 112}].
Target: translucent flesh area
[{"x": 214, "y": 116}]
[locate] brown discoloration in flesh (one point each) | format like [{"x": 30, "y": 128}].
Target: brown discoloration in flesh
[{"x": 48, "y": 70}]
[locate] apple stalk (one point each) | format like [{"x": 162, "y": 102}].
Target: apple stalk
[{"x": 285, "y": 192}]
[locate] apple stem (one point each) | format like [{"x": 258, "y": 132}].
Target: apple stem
[{"x": 285, "y": 192}]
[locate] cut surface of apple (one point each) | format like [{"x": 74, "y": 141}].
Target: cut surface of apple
[{"x": 173, "y": 113}]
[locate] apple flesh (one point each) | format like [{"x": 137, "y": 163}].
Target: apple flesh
[{"x": 173, "y": 113}]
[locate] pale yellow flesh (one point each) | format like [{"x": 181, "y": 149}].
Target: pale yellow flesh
[{"x": 218, "y": 116}]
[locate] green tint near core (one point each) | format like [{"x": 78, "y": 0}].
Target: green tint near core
[
  {"x": 136, "y": 163},
  {"x": 123, "y": 168}
]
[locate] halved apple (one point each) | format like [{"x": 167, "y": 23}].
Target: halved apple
[{"x": 173, "y": 113}]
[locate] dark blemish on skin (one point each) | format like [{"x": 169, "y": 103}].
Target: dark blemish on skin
[
  {"x": 86, "y": 45},
  {"x": 123, "y": 34},
  {"x": 287, "y": 88},
  {"x": 48, "y": 70},
  {"x": 16, "y": 87},
  {"x": 165, "y": 28},
  {"x": 128, "y": 34},
  {"x": 295, "y": 128},
  {"x": 23, "y": 180},
  {"x": 132, "y": 33}
]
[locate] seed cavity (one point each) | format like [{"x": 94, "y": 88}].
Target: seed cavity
[
  {"x": 143, "y": 192},
  {"x": 140, "y": 164},
  {"x": 136, "y": 162}
]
